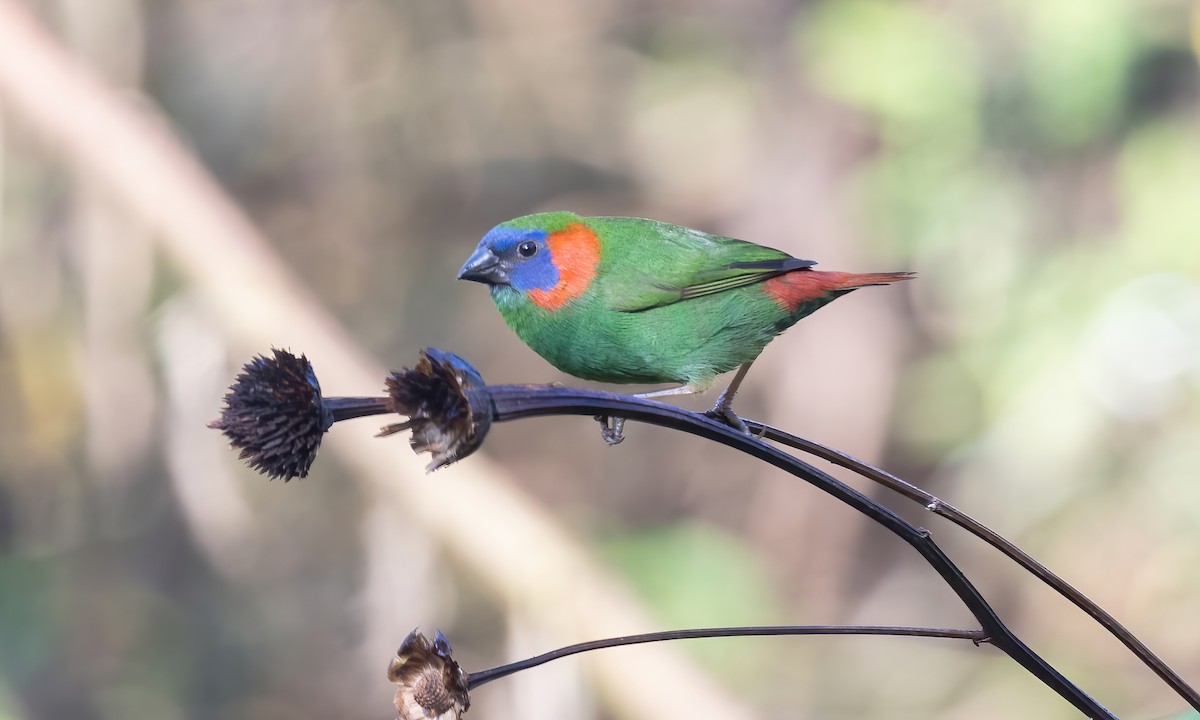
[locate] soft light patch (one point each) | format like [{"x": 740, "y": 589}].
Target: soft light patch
[{"x": 575, "y": 251}]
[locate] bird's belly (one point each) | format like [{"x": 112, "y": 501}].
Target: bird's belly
[{"x": 690, "y": 342}]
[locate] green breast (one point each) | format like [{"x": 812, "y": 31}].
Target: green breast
[{"x": 687, "y": 342}]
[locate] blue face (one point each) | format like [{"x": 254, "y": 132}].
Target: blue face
[{"x": 522, "y": 259}]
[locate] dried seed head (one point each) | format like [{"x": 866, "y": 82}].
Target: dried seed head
[
  {"x": 274, "y": 414},
  {"x": 431, "y": 684},
  {"x": 437, "y": 397}
]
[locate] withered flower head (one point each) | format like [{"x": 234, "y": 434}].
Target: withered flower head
[
  {"x": 436, "y": 396},
  {"x": 273, "y": 412},
  {"x": 431, "y": 684}
]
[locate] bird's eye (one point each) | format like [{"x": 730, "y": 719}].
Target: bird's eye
[{"x": 527, "y": 249}]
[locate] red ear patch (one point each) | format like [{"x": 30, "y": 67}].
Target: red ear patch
[{"x": 575, "y": 251}]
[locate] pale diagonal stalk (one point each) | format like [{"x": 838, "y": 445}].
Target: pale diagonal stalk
[{"x": 123, "y": 145}]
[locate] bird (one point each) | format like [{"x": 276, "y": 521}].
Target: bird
[{"x": 633, "y": 300}]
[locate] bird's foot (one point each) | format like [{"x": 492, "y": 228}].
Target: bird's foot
[
  {"x": 611, "y": 429},
  {"x": 725, "y": 414}
]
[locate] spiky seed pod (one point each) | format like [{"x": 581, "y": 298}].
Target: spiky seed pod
[
  {"x": 431, "y": 684},
  {"x": 275, "y": 415},
  {"x": 437, "y": 397}
]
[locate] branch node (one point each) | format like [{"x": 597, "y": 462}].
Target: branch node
[{"x": 447, "y": 406}]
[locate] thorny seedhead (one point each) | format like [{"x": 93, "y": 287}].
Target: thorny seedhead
[
  {"x": 431, "y": 684},
  {"x": 275, "y": 415}
]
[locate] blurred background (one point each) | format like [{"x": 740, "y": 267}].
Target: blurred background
[{"x": 1037, "y": 162}]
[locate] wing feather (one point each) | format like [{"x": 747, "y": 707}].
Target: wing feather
[{"x": 682, "y": 264}]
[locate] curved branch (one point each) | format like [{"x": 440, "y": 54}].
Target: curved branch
[
  {"x": 450, "y": 409},
  {"x": 991, "y": 537},
  {"x": 476, "y": 679},
  {"x": 514, "y": 402}
]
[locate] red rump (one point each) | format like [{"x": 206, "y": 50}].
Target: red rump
[{"x": 803, "y": 286}]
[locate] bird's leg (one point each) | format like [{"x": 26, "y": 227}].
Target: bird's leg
[
  {"x": 611, "y": 427},
  {"x": 723, "y": 410}
]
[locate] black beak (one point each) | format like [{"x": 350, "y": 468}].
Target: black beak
[{"x": 483, "y": 266}]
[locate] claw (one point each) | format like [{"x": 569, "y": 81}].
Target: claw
[
  {"x": 611, "y": 429},
  {"x": 725, "y": 414}
]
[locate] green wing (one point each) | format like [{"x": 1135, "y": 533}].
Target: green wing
[{"x": 651, "y": 264}]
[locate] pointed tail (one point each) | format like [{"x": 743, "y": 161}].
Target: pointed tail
[
  {"x": 850, "y": 281},
  {"x": 808, "y": 290}
]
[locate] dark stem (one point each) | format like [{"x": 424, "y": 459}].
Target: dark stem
[
  {"x": 513, "y": 402},
  {"x": 476, "y": 679},
  {"x": 347, "y": 408},
  {"x": 978, "y": 529},
  {"x": 524, "y": 400}
]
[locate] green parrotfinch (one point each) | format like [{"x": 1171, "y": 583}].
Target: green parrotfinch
[{"x": 631, "y": 300}]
